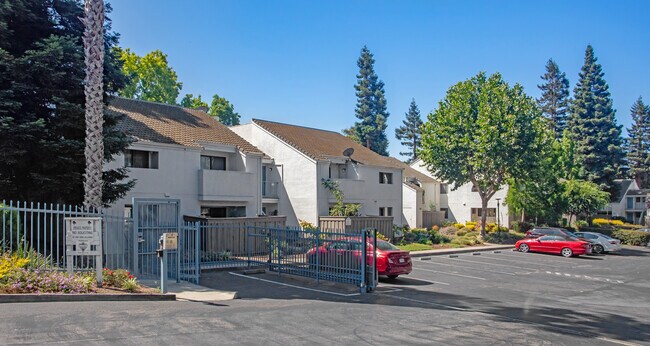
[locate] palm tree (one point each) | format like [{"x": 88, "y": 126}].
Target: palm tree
[{"x": 94, "y": 90}]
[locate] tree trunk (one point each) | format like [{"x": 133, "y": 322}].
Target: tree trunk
[
  {"x": 484, "y": 203},
  {"x": 94, "y": 90},
  {"x": 523, "y": 215}
]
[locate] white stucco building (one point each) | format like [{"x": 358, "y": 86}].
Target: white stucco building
[
  {"x": 464, "y": 203},
  {"x": 185, "y": 154},
  {"x": 304, "y": 156},
  {"x": 631, "y": 202}
]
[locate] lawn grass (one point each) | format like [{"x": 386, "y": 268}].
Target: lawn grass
[{"x": 415, "y": 247}]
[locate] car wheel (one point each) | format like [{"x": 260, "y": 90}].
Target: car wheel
[
  {"x": 392, "y": 276},
  {"x": 566, "y": 252},
  {"x": 524, "y": 248},
  {"x": 598, "y": 249}
]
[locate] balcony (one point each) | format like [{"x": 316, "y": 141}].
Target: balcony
[
  {"x": 270, "y": 189},
  {"x": 636, "y": 206},
  {"x": 217, "y": 185}
]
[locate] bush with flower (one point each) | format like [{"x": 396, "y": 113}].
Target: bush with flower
[{"x": 120, "y": 278}]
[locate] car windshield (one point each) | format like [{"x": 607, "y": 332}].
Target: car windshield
[{"x": 386, "y": 246}]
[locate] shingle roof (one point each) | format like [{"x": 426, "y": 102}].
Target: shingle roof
[
  {"x": 410, "y": 172},
  {"x": 322, "y": 144},
  {"x": 641, "y": 192},
  {"x": 162, "y": 123}
]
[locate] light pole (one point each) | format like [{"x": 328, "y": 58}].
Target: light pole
[{"x": 498, "y": 215}]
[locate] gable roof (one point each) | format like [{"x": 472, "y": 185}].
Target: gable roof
[
  {"x": 161, "y": 123},
  {"x": 410, "y": 172},
  {"x": 622, "y": 185},
  {"x": 322, "y": 144}
]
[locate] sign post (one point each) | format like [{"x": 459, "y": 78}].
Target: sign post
[
  {"x": 168, "y": 241},
  {"x": 83, "y": 237}
]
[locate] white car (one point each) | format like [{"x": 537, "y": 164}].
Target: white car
[{"x": 600, "y": 243}]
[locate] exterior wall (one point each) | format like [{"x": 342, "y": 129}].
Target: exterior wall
[
  {"x": 365, "y": 190},
  {"x": 461, "y": 201},
  {"x": 179, "y": 176},
  {"x": 412, "y": 208},
  {"x": 297, "y": 171},
  {"x": 306, "y": 198}
]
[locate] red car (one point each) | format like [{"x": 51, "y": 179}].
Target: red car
[
  {"x": 555, "y": 244},
  {"x": 346, "y": 254}
]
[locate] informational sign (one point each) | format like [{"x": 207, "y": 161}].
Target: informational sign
[
  {"x": 170, "y": 241},
  {"x": 83, "y": 236}
]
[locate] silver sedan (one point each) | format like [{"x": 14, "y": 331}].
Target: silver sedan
[{"x": 600, "y": 243}]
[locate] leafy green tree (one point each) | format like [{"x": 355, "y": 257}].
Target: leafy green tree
[
  {"x": 42, "y": 115},
  {"x": 189, "y": 101},
  {"x": 554, "y": 101},
  {"x": 639, "y": 144},
  {"x": 484, "y": 132},
  {"x": 538, "y": 197},
  {"x": 224, "y": 111},
  {"x": 583, "y": 198},
  {"x": 151, "y": 77},
  {"x": 371, "y": 110},
  {"x": 410, "y": 132},
  {"x": 593, "y": 127}
]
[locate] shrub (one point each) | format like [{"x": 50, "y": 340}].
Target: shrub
[
  {"x": 470, "y": 224},
  {"x": 435, "y": 228},
  {"x": 382, "y": 237},
  {"x": 130, "y": 284},
  {"x": 632, "y": 237},
  {"x": 581, "y": 223},
  {"x": 471, "y": 228},
  {"x": 448, "y": 231},
  {"x": 10, "y": 265},
  {"x": 461, "y": 232},
  {"x": 504, "y": 237},
  {"x": 459, "y": 225},
  {"x": 522, "y": 227},
  {"x": 115, "y": 278},
  {"x": 38, "y": 281},
  {"x": 306, "y": 225}
]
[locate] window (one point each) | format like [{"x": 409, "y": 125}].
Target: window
[
  {"x": 446, "y": 210},
  {"x": 386, "y": 211},
  {"x": 141, "y": 159},
  {"x": 338, "y": 171},
  {"x": 443, "y": 189},
  {"x": 630, "y": 202},
  {"x": 385, "y": 178},
  {"x": 474, "y": 189},
  {"x": 215, "y": 163},
  {"x": 218, "y": 212}
]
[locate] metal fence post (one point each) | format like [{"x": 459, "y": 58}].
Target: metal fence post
[
  {"x": 197, "y": 245},
  {"x": 375, "y": 274},
  {"x": 364, "y": 247},
  {"x": 318, "y": 255}
]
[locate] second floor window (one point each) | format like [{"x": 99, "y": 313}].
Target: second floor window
[
  {"x": 386, "y": 211},
  {"x": 443, "y": 189},
  {"x": 141, "y": 159},
  {"x": 215, "y": 163},
  {"x": 385, "y": 178}
]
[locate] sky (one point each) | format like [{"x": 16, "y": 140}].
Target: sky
[{"x": 295, "y": 61}]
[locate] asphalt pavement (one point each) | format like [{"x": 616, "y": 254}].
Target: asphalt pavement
[{"x": 491, "y": 298}]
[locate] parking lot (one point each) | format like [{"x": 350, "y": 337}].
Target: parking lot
[{"x": 493, "y": 298}]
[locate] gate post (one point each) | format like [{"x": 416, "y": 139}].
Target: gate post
[
  {"x": 197, "y": 255},
  {"x": 364, "y": 247},
  {"x": 318, "y": 255},
  {"x": 375, "y": 274}
]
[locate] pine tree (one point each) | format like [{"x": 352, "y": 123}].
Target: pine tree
[
  {"x": 410, "y": 132},
  {"x": 593, "y": 127},
  {"x": 554, "y": 101},
  {"x": 42, "y": 103},
  {"x": 371, "y": 110},
  {"x": 639, "y": 144}
]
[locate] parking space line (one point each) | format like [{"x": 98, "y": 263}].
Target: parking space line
[
  {"x": 446, "y": 273},
  {"x": 295, "y": 286},
  {"x": 495, "y": 257},
  {"x": 486, "y": 263},
  {"x": 587, "y": 277},
  {"x": 466, "y": 267}
]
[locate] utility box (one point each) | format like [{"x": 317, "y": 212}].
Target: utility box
[{"x": 170, "y": 241}]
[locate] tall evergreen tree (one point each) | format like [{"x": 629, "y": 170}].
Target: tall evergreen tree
[
  {"x": 371, "y": 110},
  {"x": 593, "y": 127},
  {"x": 410, "y": 132},
  {"x": 639, "y": 144},
  {"x": 554, "y": 101},
  {"x": 42, "y": 120}
]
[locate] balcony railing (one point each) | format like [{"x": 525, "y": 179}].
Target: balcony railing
[
  {"x": 270, "y": 189},
  {"x": 226, "y": 185}
]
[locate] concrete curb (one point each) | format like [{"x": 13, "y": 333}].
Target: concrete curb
[
  {"x": 53, "y": 297},
  {"x": 441, "y": 252}
]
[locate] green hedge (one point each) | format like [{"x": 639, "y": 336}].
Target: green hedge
[{"x": 630, "y": 237}]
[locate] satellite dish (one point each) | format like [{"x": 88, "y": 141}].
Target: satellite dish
[{"x": 348, "y": 152}]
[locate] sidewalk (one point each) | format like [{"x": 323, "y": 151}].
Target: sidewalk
[
  {"x": 439, "y": 252},
  {"x": 191, "y": 292}
]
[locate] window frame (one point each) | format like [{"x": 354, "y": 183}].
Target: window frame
[
  {"x": 212, "y": 162},
  {"x": 152, "y": 161},
  {"x": 386, "y": 178}
]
